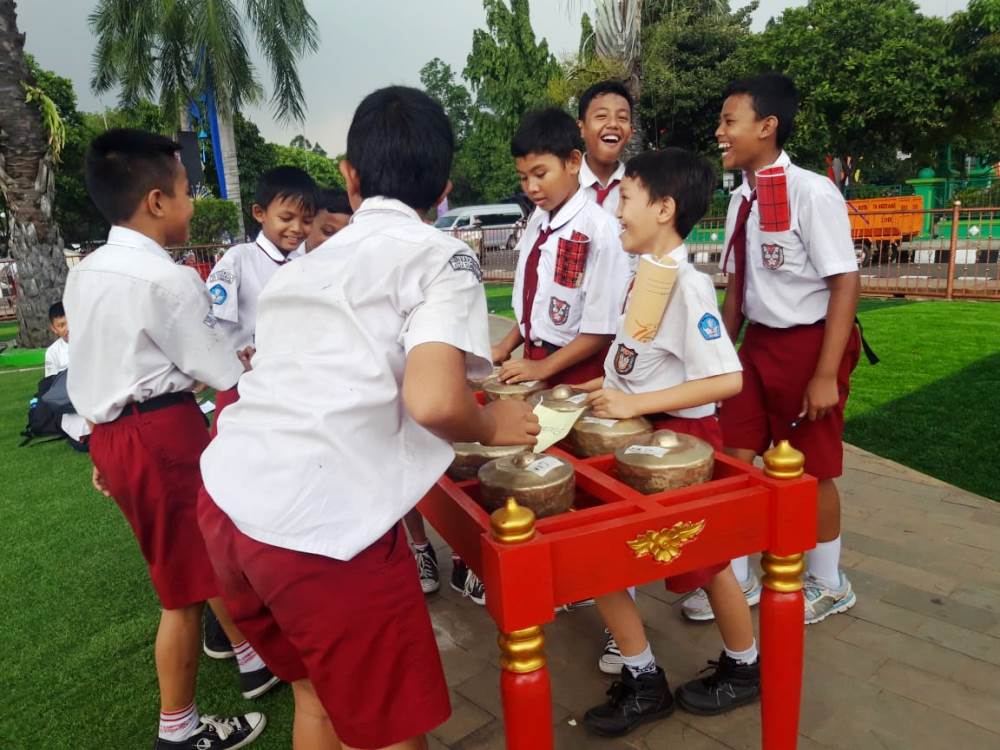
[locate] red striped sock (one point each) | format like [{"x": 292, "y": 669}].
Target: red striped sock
[
  {"x": 179, "y": 725},
  {"x": 247, "y": 658}
]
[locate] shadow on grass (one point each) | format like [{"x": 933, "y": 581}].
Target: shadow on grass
[
  {"x": 866, "y": 304},
  {"x": 949, "y": 429}
]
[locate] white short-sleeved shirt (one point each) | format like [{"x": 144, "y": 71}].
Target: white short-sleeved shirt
[
  {"x": 57, "y": 360},
  {"x": 142, "y": 327},
  {"x": 561, "y": 313},
  {"x": 785, "y": 283},
  {"x": 590, "y": 182},
  {"x": 690, "y": 344},
  {"x": 319, "y": 454},
  {"x": 238, "y": 279}
]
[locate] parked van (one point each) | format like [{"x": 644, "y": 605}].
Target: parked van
[{"x": 486, "y": 227}]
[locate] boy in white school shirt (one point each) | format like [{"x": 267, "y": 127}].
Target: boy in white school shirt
[
  {"x": 674, "y": 376},
  {"x": 57, "y": 360},
  {"x": 605, "y": 120},
  {"x": 143, "y": 336},
  {"x": 344, "y": 423}
]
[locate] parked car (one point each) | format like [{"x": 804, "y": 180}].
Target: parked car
[{"x": 487, "y": 227}]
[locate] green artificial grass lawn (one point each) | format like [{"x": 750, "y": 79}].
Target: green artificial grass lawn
[
  {"x": 8, "y": 330},
  {"x": 80, "y": 616}
]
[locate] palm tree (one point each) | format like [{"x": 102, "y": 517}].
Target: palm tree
[
  {"x": 176, "y": 49},
  {"x": 28, "y": 186}
]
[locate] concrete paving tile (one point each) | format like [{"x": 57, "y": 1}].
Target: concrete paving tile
[
  {"x": 989, "y": 515},
  {"x": 901, "y": 573},
  {"x": 941, "y": 608},
  {"x": 675, "y": 733},
  {"x": 827, "y": 652},
  {"x": 941, "y": 694},
  {"x": 970, "y": 643},
  {"x": 466, "y": 718}
]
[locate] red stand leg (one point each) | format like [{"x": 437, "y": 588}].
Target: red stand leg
[
  {"x": 782, "y": 632},
  {"x": 527, "y": 709}
]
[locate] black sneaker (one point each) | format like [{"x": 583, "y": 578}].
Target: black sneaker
[
  {"x": 467, "y": 583},
  {"x": 631, "y": 701},
  {"x": 427, "y": 567},
  {"x": 216, "y": 643},
  {"x": 255, "y": 684},
  {"x": 730, "y": 685},
  {"x": 218, "y": 733}
]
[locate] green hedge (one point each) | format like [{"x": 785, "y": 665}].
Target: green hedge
[{"x": 213, "y": 219}]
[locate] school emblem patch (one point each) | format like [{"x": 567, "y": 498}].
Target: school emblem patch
[
  {"x": 463, "y": 262},
  {"x": 226, "y": 276},
  {"x": 558, "y": 311},
  {"x": 218, "y": 293},
  {"x": 709, "y": 327},
  {"x": 625, "y": 359},
  {"x": 773, "y": 256}
]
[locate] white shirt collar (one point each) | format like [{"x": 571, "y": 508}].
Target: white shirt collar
[
  {"x": 679, "y": 253},
  {"x": 783, "y": 160},
  {"x": 120, "y": 235},
  {"x": 270, "y": 248},
  {"x": 379, "y": 203},
  {"x": 588, "y": 178},
  {"x": 570, "y": 209}
]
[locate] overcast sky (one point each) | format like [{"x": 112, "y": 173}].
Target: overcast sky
[{"x": 364, "y": 44}]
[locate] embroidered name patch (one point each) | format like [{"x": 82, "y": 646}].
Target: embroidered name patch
[
  {"x": 227, "y": 277},
  {"x": 773, "y": 256},
  {"x": 625, "y": 360},
  {"x": 558, "y": 311},
  {"x": 219, "y": 294},
  {"x": 709, "y": 327},
  {"x": 463, "y": 262},
  {"x": 210, "y": 320}
]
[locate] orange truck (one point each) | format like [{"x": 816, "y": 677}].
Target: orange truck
[{"x": 885, "y": 222}]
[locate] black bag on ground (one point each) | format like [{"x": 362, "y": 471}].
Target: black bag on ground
[{"x": 46, "y": 409}]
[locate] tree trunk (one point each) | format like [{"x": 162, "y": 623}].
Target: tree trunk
[
  {"x": 28, "y": 185},
  {"x": 230, "y": 166}
]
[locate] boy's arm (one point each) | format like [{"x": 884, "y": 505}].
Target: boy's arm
[
  {"x": 732, "y": 318},
  {"x": 611, "y": 404},
  {"x": 583, "y": 346},
  {"x": 501, "y": 351},
  {"x": 822, "y": 393},
  {"x": 449, "y": 409}
]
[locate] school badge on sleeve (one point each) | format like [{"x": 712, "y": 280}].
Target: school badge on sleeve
[
  {"x": 709, "y": 327},
  {"x": 625, "y": 359},
  {"x": 558, "y": 311},
  {"x": 219, "y": 294},
  {"x": 773, "y": 256}
]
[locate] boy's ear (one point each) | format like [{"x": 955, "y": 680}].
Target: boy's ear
[
  {"x": 352, "y": 183},
  {"x": 667, "y": 210},
  {"x": 258, "y": 212},
  {"x": 574, "y": 161},
  {"x": 153, "y": 203},
  {"x": 768, "y": 127}
]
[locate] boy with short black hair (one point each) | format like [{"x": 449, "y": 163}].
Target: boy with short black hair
[
  {"x": 673, "y": 375},
  {"x": 304, "y": 493},
  {"x": 57, "y": 360},
  {"x": 333, "y": 213},
  {"x": 793, "y": 277},
  {"x": 570, "y": 267},
  {"x": 143, "y": 336},
  {"x": 605, "y": 120}
]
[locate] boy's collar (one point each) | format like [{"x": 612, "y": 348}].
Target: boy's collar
[
  {"x": 588, "y": 178},
  {"x": 569, "y": 209},
  {"x": 679, "y": 253},
  {"x": 783, "y": 160},
  {"x": 120, "y": 235},
  {"x": 269, "y": 248},
  {"x": 381, "y": 203}
]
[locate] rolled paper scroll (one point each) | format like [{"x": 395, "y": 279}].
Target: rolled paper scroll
[{"x": 654, "y": 281}]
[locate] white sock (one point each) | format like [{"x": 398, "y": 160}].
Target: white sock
[
  {"x": 421, "y": 547},
  {"x": 741, "y": 568},
  {"x": 824, "y": 563},
  {"x": 744, "y": 657},
  {"x": 247, "y": 658},
  {"x": 631, "y": 592},
  {"x": 641, "y": 663},
  {"x": 177, "y": 726}
]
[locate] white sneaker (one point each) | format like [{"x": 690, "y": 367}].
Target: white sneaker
[
  {"x": 611, "y": 660},
  {"x": 697, "y": 608},
  {"x": 821, "y": 602}
]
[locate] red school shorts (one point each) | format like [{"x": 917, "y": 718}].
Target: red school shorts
[
  {"x": 590, "y": 368},
  {"x": 778, "y": 364},
  {"x": 149, "y": 461},
  {"x": 708, "y": 429},
  {"x": 357, "y": 629}
]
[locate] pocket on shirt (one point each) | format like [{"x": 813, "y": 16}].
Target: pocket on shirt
[
  {"x": 779, "y": 251},
  {"x": 571, "y": 260}
]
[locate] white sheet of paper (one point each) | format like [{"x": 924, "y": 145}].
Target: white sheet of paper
[
  {"x": 207, "y": 407},
  {"x": 555, "y": 425}
]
